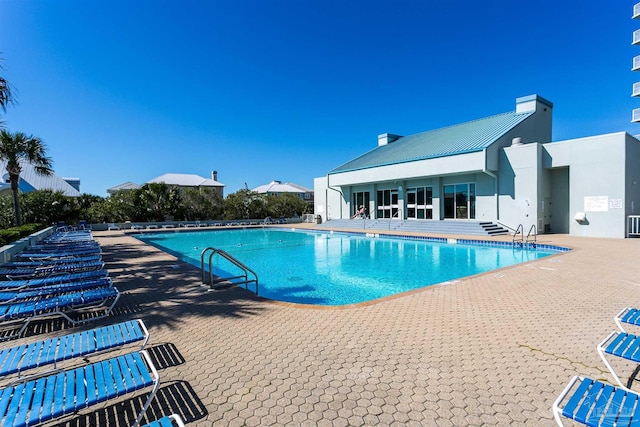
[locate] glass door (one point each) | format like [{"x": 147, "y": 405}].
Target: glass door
[
  {"x": 460, "y": 201},
  {"x": 420, "y": 203},
  {"x": 360, "y": 201},
  {"x": 387, "y": 204},
  {"x": 394, "y": 204},
  {"x": 411, "y": 204}
]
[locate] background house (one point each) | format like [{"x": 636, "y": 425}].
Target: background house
[
  {"x": 31, "y": 181},
  {"x": 190, "y": 181},
  {"x": 277, "y": 187},
  {"x": 124, "y": 186}
]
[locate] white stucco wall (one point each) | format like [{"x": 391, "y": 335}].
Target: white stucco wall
[
  {"x": 632, "y": 177},
  {"x": 596, "y": 182},
  {"x": 519, "y": 179}
]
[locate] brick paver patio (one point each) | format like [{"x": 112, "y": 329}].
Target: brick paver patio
[{"x": 494, "y": 349}]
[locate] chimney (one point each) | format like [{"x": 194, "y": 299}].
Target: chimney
[
  {"x": 387, "y": 138},
  {"x": 214, "y": 175},
  {"x": 530, "y": 103}
]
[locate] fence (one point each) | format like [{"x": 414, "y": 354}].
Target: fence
[{"x": 633, "y": 225}]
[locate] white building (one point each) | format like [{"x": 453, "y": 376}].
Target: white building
[
  {"x": 183, "y": 180},
  {"x": 277, "y": 188},
  {"x": 501, "y": 169}
]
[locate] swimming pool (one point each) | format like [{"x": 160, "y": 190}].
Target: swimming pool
[{"x": 339, "y": 268}]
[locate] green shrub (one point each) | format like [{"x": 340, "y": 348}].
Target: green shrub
[{"x": 10, "y": 235}]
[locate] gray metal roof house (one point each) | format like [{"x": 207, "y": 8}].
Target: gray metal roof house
[
  {"x": 124, "y": 186},
  {"x": 190, "y": 181},
  {"x": 30, "y": 181},
  {"x": 278, "y": 187},
  {"x": 501, "y": 169}
]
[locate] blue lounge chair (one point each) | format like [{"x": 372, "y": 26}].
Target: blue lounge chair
[
  {"x": 63, "y": 277},
  {"x": 595, "y": 403},
  {"x": 9, "y": 297},
  {"x": 620, "y": 344},
  {"x": 58, "y": 247},
  {"x": 20, "y": 314},
  {"x": 69, "y": 236},
  {"x": 52, "y": 261},
  {"x": 43, "y": 271},
  {"x": 630, "y": 316},
  {"x": 172, "y": 420},
  {"x": 57, "y": 395},
  {"x": 51, "y": 351},
  {"x": 45, "y": 244},
  {"x": 35, "y": 255}
]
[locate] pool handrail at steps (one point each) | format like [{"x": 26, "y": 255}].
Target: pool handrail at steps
[
  {"x": 532, "y": 235},
  {"x": 519, "y": 232},
  {"x": 213, "y": 251}
]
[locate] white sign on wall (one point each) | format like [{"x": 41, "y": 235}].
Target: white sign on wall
[
  {"x": 596, "y": 203},
  {"x": 615, "y": 204}
]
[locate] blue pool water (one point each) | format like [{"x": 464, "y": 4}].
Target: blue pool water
[{"x": 338, "y": 269}]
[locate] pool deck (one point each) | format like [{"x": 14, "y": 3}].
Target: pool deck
[{"x": 493, "y": 349}]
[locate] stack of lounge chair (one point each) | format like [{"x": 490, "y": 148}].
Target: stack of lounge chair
[
  {"x": 50, "y": 378},
  {"x": 596, "y": 403},
  {"x": 62, "y": 276}
]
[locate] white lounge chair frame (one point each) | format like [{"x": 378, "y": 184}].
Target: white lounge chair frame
[{"x": 595, "y": 403}]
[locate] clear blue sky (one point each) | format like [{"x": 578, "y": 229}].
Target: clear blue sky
[{"x": 258, "y": 90}]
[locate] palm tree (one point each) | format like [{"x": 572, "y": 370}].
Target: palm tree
[
  {"x": 5, "y": 94},
  {"x": 6, "y": 97},
  {"x": 18, "y": 147}
]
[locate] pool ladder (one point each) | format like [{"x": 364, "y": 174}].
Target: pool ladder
[
  {"x": 232, "y": 279},
  {"x": 531, "y": 236}
]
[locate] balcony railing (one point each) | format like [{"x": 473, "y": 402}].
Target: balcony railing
[
  {"x": 636, "y": 116},
  {"x": 636, "y": 37},
  {"x": 636, "y": 11}
]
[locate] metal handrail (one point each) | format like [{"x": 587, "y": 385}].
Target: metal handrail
[
  {"x": 232, "y": 260},
  {"x": 505, "y": 226},
  {"x": 535, "y": 233},
  {"x": 520, "y": 231},
  {"x": 392, "y": 216}
]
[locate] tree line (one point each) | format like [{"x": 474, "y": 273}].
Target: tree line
[{"x": 150, "y": 203}]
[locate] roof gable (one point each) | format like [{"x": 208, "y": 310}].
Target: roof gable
[
  {"x": 30, "y": 180},
  {"x": 279, "y": 187},
  {"x": 457, "y": 139},
  {"x": 124, "y": 186},
  {"x": 185, "y": 180}
]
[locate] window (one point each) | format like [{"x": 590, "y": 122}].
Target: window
[{"x": 420, "y": 203}]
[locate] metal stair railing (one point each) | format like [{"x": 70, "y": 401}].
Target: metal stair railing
[
  {"x": 246, "y": 270},
  {"x": 535, "y": 233},
  {"x": 519, "y": 232},
  {"x": 393, "y": 216}
]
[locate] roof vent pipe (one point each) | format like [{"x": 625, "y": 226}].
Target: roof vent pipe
[
  {"x": 387, "y": 138},
  {"x": 516, "y": 141}
]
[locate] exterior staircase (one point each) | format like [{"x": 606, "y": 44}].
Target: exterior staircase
[{"x": 474, "y": 228}]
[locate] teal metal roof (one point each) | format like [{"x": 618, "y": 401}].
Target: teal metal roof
[{"x": 458, "y": 139}]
